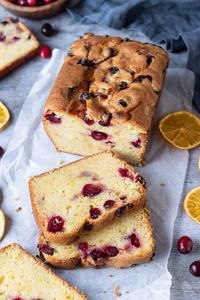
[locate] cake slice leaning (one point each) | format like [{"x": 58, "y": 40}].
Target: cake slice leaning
[
  {"x": 83, "y": 195},
  {"x": 24, "y": 277},
  {"x": 124, "y": 242}
]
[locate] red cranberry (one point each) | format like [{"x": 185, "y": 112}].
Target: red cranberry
[
  {"x": 125, "y": 173},
  {"x": 120, "y": 211},
  {"x": 83, "y": 246},
  {"x": 46, "y": 29},
  {"x": 184, "y": 244},
  {"x": 95, "y": 212},
  {"x": 98, "y": 136},
  {"x": 85, "y": 62},
  {"x": 122, "y": 102},
  {"x": 55, "y": 224},
  {"x": 53, "y": 118},
  {"x": 32, "y": 2},
  {"x": 123, "y": 85},
  {"x": 134, "y": 240},
  {"x": 111, "y": 251},
  {"x": 106, "y": 118},
  {"x": 195, "y": 268},
  {"x": 85, "y": 97},
  {"x": 47, "y": 1},
  {"x": 113, "y": 70},
  {"x": 1, "y": 151},
  {"x": 149, "y": 59},
  {"x": 140, "y": 179},
  {"x": 18, "y": 298},
  {"x": 22, "y": 2},
  {"x": 45, "y": 51},
  {"x": 91, "y": 190},
  {"x": 46, "y": 249},
  {"x": 137, "y": 143},
  {"x": 88, "y": 121},
  {"x": 2, "y": 37},
  {"x": 123, "y": 198},
  {"x": 97, "y": 253},
  {"x": 140, "y": 78},
  {"x": 109, "y": 204}
]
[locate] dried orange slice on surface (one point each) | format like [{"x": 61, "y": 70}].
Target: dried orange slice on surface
[
  {"x": 4, "y": 115},
  {"x": 192, "y": 204},
  {"x": 181, "y": 129}
]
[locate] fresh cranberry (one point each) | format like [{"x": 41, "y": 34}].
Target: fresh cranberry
[
  {"x": 1, "y": 151},
  {"x": 95, "y": 212},
  {"x": 85, "y": 62},
  {"x": 113, "y": 70},
  {"x": 137, "y": 143},
  {"x": 32, "y": 2},
  {"x": 195, "y": 268},
  {"x": 16, "y": 38},
  {"x": 46, "y": 249},
  {"x": 111, "y": 251},
  {"x": 106, "y": 118},
  {"x": 125, "y": 173},
  {"x": 45, "y": 51},
  {"x": 134, "y": 240},
  {"x": 140, "y": 179},
  {"x": 53, "y": 118},
  {"x": 109, "y": 204},
  {"x": 184, "y": 244},
  {"x": 22, "y": 2},
  {"x": 2, "y": 37},
  {"x": 98, "y": 136},
  {"x": 46, "y": 29},
  {"x": 91, "y": 190},
  {"x": 123, "y": 85},
  {"x": 97, "y": 253},
  {"x": 149, "y": 59},
  {"x": 88, "y": 121},
  {"x": 122, "y": 102},
  {"x": 120, "y": 211},
  {"x": 123, "y": 198},
  {"x": 47, "y": 1},
  {"x": 83, "y": 246},
  {"x": 55, "y": 224},
  {"x": 85, "y": 97}
]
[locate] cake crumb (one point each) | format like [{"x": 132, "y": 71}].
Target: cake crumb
[
  {"x": 127, "y": 292},
  {"x": 117, "y": 291},
  {"x": 111, "y": 275},
  {"x": 18, "y": 209},
  {"x": 162, "y": 184},
  {"x": 61, "y": 162},
  {"x": 104, "y": 292}
]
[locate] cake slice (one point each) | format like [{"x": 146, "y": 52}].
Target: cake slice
[
  {"x": 84, "y": 194},
  {"x": 23, "y": 277},
  {"x": 126, "y": 241},
  {"x": 105, "y": 97},
  {"x": 17, "y": 44}
]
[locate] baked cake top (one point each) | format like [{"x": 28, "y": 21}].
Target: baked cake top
[{"x": 110, "y": 79}]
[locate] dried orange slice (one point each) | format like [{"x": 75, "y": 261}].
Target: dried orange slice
[
  {"x": 4, "y": 115},
  {"x": 181, "y": 129},
  {"x": 192, "y": 204}
]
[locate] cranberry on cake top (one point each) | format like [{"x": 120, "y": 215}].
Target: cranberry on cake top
[
  {"x": 105, "y": 97},
  {"x": 83, "y": 195}
]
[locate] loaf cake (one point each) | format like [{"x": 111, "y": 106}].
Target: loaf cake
[
  {"x": 23, "y": 277},
  {"x": 83, "y": 195},
  {"x": 126, "y": 241},
  {"x": 105, "y": 97},
  {"x": 17, "y": 44}
]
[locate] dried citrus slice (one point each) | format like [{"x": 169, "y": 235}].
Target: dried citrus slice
[
  {"x": 4, "y": 115},
  {"x": 2, "y": 224},
  {"x": 181, "y": 129},
  {"x": 192, "y": 204}
]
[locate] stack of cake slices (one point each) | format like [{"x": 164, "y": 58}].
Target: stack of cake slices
[{"x": 92, "y": 212}]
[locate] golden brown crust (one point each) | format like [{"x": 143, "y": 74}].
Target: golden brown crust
[
  {"x": 121, "y": 261},
  {"x": 140, "y": 65},
  {"x": 65, "y": 237},
  {"x": 15, "y": 245},
  {"x": 29, "y": 54}
]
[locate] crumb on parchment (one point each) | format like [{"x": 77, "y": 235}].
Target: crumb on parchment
[
  {"x": 61, "y": 162},
  {"x": 18, "y": 209},
  {"x": 111, "y": 275},
  {"x": 117, "y": 291},
  {"x": 162, "y": 184}
]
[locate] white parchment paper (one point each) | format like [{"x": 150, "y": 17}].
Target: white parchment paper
[{"x": 30, "y": 152}]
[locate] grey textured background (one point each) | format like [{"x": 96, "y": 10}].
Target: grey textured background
[{"x": 14, "y": 89}]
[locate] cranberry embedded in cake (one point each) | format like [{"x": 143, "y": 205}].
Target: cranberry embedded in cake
[
  {"x": 52, "y": 118},
  {"x": 98, "y": 136},
  {"x": 55, "y": 224},
  {"x": 46, "y": 249},
  {"x": 134, "y": 240},
  {"x": 111, "y": 251},
  {"x": 109, "y": 204},
  {"x": 91, "y": 190},
  {"x": 124, "y": 172},
  {"x": 95, "y": 212}
]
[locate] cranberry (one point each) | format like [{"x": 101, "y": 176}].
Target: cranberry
[
  {"x": 46, "y": 29},
  {"x": 98, "y": 136},
  {"x": 45, "y": 51},
  {"x": 88, "y": 226},
  {"x": 47, "y": 1},
  {"x": 88, "y": 121},
  {"x": 46, "y": 249},
  {"x": 55, "y": 224},
  {"x": 106, "y": 118},
  {"x": 140, "y": 78},
  {"x": 91, "y": 190},
  {"x": 83, "y": 246},
  {"x": 72, "y": 89},
  {"x": 195, "y": 268},
  {"x": 111, "y": 251},
  {"x": 84, "y": 97},
  {"x": 113, "y": 70},
  {"x": 140, "y": 179},
  {"x": 149, "y": 59},
  {"x": 120, "y": 211},
  {"x": 2, "y": 37},
  {"x": 125, "y": 173},
  {"x": 123, "y": 198},
  {"x": 137, "y": 143},
  {"x": 32, "y": 2},
  {"x": 22, "y": 2},
  {"x": 95, "y": 212},
  {"x": 16, "y": 38},
  {"x": 109, "y": 204},
  {"x": 97, "y": 253},
  {"x": 122, "y": 103},
  {"x": 1, "y": 151},
  {"x": 134, "y": 240},
  {"x": 53, "y": 118},
  {"x": 184, "y": 244},
  {"x": 123, "y": 85},
  {"x": 85, "y": 62},
  {"x": 18, "y": 298}
]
